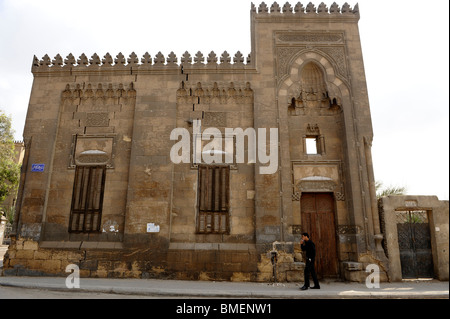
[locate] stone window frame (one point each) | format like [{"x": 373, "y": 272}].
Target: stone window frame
[
  {"x": 320, "y": 144},
  {"x": 195, "y": 166},
  {"x": 73, "y": 148}
]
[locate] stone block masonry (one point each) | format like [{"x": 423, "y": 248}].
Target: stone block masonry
[{"x": 111, "y": 200}]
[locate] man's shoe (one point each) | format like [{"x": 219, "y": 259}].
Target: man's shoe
[
  {"x": 315, "y": 287},
  {"x": 304, "y": 288}
]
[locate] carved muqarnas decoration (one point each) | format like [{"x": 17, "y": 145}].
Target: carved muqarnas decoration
[
  {"x": 212, "y": 93},
  {"x": 87, "y": 93},
  {"x": 313, "y": 90}
]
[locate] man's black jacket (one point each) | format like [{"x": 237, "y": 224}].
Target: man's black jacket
[{"x": 310, "y": 249}]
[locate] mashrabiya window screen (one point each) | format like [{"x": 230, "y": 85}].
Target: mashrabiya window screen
[
  {"x": 213, "y": 199},
  {"x": 87, "y": 199}
]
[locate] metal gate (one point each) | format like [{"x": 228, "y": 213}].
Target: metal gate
[{"x": 414, "y": 242}]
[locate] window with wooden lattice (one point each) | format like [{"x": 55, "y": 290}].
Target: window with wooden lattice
[
  {"x": 213, "y": 199},
  {"x": 87, "y": 199}
]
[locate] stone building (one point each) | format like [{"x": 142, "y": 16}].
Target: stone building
[{"x": 100, "y": 187}]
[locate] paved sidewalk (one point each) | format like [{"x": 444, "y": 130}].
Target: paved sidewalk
[{"x": 430, "y": 289}]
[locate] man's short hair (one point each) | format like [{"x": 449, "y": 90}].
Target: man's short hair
[{"x": 305, "y": 234}]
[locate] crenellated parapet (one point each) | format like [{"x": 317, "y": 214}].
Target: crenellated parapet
[
  {"x": 223, "y": 63},
  {"x": 310, "y": 10},
  {"x": 145, "y": 63}
]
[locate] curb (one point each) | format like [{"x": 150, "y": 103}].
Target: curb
[{"x": 272, "y": 292}]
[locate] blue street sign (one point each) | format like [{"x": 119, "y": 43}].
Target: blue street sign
[{"x": 37, "y": 167}]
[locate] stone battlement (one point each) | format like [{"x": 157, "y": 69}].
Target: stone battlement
[
  {"x": 83, "y": 63},
  {"x": 210, "y": 62},
  {"x": 310, "y": 9}
]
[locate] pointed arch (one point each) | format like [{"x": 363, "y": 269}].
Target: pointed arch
[{"x": 337, "y": 87}]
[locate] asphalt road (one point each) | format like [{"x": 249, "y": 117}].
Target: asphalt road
[{"x": 27, "y": 293}]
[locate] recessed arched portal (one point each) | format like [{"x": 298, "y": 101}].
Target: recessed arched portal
[{"x": 315, "y": 96}]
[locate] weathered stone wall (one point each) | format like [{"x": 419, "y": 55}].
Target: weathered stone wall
[
  {"x": 25, "y": 258},
  {"x": 304, "y": 77}
]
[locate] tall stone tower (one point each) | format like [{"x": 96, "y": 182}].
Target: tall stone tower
[
  {"x": 312, "y": 86},
  {"x": 100, "y": 187}
]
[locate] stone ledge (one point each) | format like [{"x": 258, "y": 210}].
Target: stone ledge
[
  {"x": 352, "y": 266},
  {"x": 212, "y": 246},
  {"x": 80, "y": 245}
]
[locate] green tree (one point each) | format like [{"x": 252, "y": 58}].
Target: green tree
[
  {"x": 9, "y": 170},
  {"x": 390, "y": 190}
]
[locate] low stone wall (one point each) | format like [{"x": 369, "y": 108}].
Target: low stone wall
[
  {"x": 24, "y": 258},
  {"x": 227, "y": 262},
  {"x": 437, "y": 212}
]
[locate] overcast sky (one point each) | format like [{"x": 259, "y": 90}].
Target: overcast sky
[{"x": 405, "y": 48}]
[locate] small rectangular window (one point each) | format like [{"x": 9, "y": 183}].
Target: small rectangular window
[
  {"x": 312, "y": 147},
  {"x": 87, "y": 199}
]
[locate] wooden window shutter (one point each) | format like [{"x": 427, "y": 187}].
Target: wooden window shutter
[
  {"x": 213, "y": 199},
  {"x": 87, "y": 199}
]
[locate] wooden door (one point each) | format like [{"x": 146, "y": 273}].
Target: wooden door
[{"x": 317, "y": 211}]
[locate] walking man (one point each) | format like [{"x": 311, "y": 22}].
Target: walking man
[{"x": 308, "y": 246}]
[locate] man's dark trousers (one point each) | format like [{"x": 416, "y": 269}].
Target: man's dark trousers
[{"x": 309, "y": 269}]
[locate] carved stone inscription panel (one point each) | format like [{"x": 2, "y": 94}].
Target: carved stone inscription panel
[
  {"x": 92, "y": 150},
  {"x": 331, "y": 45}
]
